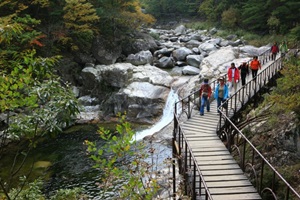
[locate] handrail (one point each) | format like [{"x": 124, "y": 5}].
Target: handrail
[
  {"x": 241, "y": 136},
  {"x": 233, "y": 132},
  {"x": 189, "y": 102},
  {"x": 187, "y": 105},
  {"x": 191, "y": 170}
]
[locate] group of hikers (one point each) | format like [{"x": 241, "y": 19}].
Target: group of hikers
[{"x": 234, "y": 74}]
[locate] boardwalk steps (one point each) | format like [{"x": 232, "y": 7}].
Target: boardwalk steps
[
  {"x": 209, "y": 170},
  {"x": 222, "y": 174}
]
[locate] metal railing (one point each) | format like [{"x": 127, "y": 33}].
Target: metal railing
[
  {"x": 195, "y": 185},
  {"x": 194, "y": 182},
  {"x": 257, "y": 168},
  {"x": 190, "y": 102}
]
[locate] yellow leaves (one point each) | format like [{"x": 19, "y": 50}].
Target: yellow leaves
[
  {"x": 79, "y": 19},
  {"x": 137, "y": 18},
  {"x": 42, "y": 3},
  {"x": 127, "y": 147},
  {"x": 79, "y": 15}
]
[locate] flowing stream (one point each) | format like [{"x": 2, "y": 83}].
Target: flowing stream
[
  {"x": 62, "y": 161},
  {"x": 168, "y": 115}
]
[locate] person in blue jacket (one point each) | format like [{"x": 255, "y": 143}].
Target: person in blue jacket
[{"x": 221, "y": 92}]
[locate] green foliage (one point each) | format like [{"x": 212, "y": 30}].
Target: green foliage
[
  {"x": 295, "y": 34},
  {"x": 286, "y": 96},
  {"x": 55, "y": 107},
  {"x": 208, "y": 9},
  {"x": 132, "y": 177},
  {"x": 79, "y": 19},
  {"x": 273, "y": 23},
  {"x": 33, "y": 191},
  {"x": 254, "y": 14},
  {"x": 117, "y": 17},
  {"x": 230, "y": 18},
  {"x": 170, "y": 8},
  {"x": 69, "y": 194},
  {"x": 68, "y": 25},
  {"x": 205, "y": 25},
  {"x": 40, "y": 103},
  {"x": 271, "y": 16}
]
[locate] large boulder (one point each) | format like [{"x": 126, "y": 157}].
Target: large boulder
[
  {"x": 139, "y": 42},
  {"x": 190, "y": 70},
  {"x": 253, "y": 51},
  {"x": 142, "y": 101},
  {"x": 165, "y": 62},
  {"x": 218, "y": 58},
  {"x": 181, "y": 53},
  {"x": 141, "y": 91},
  {"x": 180, "y": 30},
  {"x": 105, "y": 52},
  {"x": 140, "y": 58},
  {"x": 194, "y": 60}
]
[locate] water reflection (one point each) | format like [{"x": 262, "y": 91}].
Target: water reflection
[{"x": 71, "y": 167}]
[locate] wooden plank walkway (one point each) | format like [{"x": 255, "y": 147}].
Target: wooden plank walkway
[{"x": 222, "y": 174}]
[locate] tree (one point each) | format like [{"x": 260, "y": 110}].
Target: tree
[
  {"x": 169, "y": 8},
  {"x": 119, "y": 16},
  {"x": 35, "y": 101},
  {"x": 79, "y": 18},
  {"x": 230, "y": 18},
  {"x": 255, "y": 15},
  {"x": 207, "y": 9}
]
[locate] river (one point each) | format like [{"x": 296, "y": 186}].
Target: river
[{"x": 62, "y": 161}]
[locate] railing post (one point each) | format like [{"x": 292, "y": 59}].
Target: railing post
[
  {"x": 189, "y": 107},
  {"x": 261, "y": 176},
  {"x": 174, "y": 152},
  {"x": 244, "y": 155},
  {"x": 194, "y": 181},
  {"x": 287, "y": 193},
  {"x": 185, "y": 168}
]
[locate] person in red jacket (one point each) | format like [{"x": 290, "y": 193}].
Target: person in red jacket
[
  {"x": 205, "y": 93},
  {"x": 255, "y": 65},
  {"x": 233, "y": 74},
  {"x": 274, "y": 50}
]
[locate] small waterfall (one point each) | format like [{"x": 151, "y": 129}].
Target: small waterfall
[{"x": 168, "y": 115}]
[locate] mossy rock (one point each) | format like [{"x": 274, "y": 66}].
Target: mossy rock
[{"x": 42, "y": 164}]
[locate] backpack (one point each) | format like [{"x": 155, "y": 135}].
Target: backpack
[{"x": 205, "y": 90}]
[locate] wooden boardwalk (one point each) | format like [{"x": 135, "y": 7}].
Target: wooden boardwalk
[{"x": 222, "y": 174}]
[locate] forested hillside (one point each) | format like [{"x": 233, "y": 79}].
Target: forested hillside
[
  {"x": 262, "y": 16},
  {"x": 69, "y": 26}
]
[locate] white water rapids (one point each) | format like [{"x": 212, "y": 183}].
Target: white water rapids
[{"x": 167, "y": 117}]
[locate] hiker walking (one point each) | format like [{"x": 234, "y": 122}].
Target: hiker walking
[
  {"x": 274, "y": 50},
  {"x": 255, "y": 66},
  {"x": 205, "y": 93},
  {"x": 283, "y": 49},
  {"x": 233, "y": 76},
  {"x": 244, "y": 68},
  {"x": 221, "y": 92}
]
